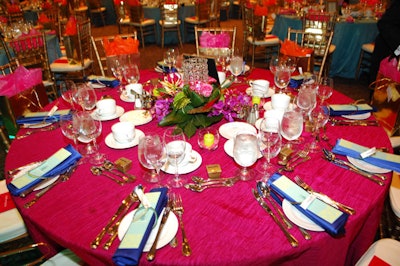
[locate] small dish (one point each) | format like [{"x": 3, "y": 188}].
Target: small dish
[
  {"x": 229, "y": 130},
  {"x": 119, "y": 111},
  {"x": 112, "y": 143},
  {"x": 184, "y": 169},
  {"x": 125, "y": 98},
  {"x": 137, "y": 117}
]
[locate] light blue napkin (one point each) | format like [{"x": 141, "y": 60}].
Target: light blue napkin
[
  {"x": 324, "y": 215},
  {"x": 349, "y": 109},
  {"x": 132, "y": 245},
  {"x": 380, "y": 159},
  {"x": 58, "y": 163},
  {"x": 37, "y": 117}
]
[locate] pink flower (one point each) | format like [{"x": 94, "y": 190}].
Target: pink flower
[
  {"x": 210, "y": 40},
  {"x": 203, "y": 89}
]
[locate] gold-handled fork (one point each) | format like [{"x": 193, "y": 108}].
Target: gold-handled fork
[{"x": 178, "y": 209}]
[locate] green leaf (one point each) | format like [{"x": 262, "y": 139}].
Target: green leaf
[
  {"x": 189, "y": 129},
  {"x": 181, "y": 100},
  {"x": 173, "y": 118}
]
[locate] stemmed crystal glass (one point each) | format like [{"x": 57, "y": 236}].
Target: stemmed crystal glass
[
  {"x": 236, "y": 66},
  {"x": 319, "y": 117},
  {"x": 151, "y": 176},
  {"x": 131, "y": 73},
  {"x": 89, "y": 130},
  {"x": 85, "y": 96},
  {"x": 170, "y": 58},
  {"x": 224, "y": 57},
  {"x": 270, "y": 143},
  {"x": 155, "y": 154},
  {"x": 70, "y": 127},
  {"x": 292, "y": 126},
  {"x": 306, "y": 99},
  {"x": 274, "y": 63},
  {"x": 245, "y": 153},
  {"x": 117, "y": 69},
  {"x": 291, "y": 64},
  {"x": 175, "y": 144},
  {"x": 282, "y": 78},
  {"x": 68, "y": 89},
  {"x": 325, "y": 89}
]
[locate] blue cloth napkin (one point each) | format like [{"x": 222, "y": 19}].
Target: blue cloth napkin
[
  {"x": 107, "y": 81},
  {"x": 131, "y": 256},
  {"x": 349, "y": 109},
  {"x": 59, "y": 169},
  {"x": 324, "y": 215},
  {"x": 38, "y": 117},
  {"x": 380, "y": 159}
]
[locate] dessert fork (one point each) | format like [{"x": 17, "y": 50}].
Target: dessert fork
[{"x": 178, "y": 209}]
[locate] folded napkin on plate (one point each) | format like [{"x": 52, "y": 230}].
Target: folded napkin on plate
[
  {"x": 350, "y": 109},
  {"x": 56, "y": 164},
  {"x": 38, "y": 117},
  {"x": 107, "y": 81},
  {"x": 132, "y": 244},
  {"x": 380, "y": 159},
  {"x": 326, "y": 216}
]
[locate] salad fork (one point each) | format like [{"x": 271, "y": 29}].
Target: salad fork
[{"x": 178, "y": 209}]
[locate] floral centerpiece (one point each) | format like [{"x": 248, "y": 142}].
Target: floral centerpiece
[{"x": 195, "y": 105}]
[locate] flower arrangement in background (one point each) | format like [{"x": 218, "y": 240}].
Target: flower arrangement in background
[{"x": 195, "y": 105}]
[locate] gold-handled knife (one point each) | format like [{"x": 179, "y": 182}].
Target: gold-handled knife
[
  {"x": 292, "y": 240},
  {"x": 152, "y": 252}
]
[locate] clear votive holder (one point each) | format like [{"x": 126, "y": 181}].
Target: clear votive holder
[
  {"x": 195, "y": 70},
  {"x": 208, "y": 138}
]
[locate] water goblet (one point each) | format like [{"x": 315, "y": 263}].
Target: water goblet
[
  {"x": 67, "y": 90},
  {"x": 282, "y": 78},
  {"x": 89, "y": 130},
  {"x": 70, "y": 127},
  {"x": 175, "y": 144},
  {"x": 245, "y": 153},
  {"x": 155, "y": 154},
  {"x": 152, "y": 176},
  {"x": 131, "y": 73},
  {"x": 117, "y": 69},
  {"x": 274, "y": 63},
  {"x": 325, "y": 89},
  {"x": 170, "y": 57},
  {"x": 319, "y": 117},
  {"x": 292, "y": 126},
  {"x": 306, "y": 99},
  {"x": 236, "y": 67},
  {"x": 291, "y": 63},
  {"x": 85, "y": 96},
  {"x": 270, "y": 143}
]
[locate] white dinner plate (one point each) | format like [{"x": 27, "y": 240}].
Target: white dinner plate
[
  {"x": 36, "y": 125},
  {"x": 167, "y": 234},
  {"x": 112, "y": 143},
  {"x": 169, "y": 168},
  {"x": 363, "y": 165},
  {"x": 299, "y": 218},
  {"x": 96, "y": 85},
  {"x": 268, "y": 94},
  {"x": 125, "y": 98},
  {"x": 228, "y": 148},
  {"x": 358, "y": 116},
  {"x": 229, "y": 130},
  {"x": 119, "y": 111},
  {"x": 47, "y": 183},
  {"x": 137, "y": 117}
]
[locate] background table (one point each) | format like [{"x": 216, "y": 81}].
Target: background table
[
  {"x": 225, "y": 226},
  {"x": 348, "y": 39}
]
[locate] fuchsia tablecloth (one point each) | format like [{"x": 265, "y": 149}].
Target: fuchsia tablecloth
[{"x": 225, "y": 226}]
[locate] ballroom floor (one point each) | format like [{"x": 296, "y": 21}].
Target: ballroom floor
[{"x": 356, "y": 89}]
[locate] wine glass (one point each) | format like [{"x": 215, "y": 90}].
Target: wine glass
[
  {"x": 245, "y": 153},
  {"x": 170, "y": 57},
  {"x": 291, "y": 64},
  {"x": 319, "y": 117},
  {"x": 292, "y": 126},
  {"x": 282, "y": 78},
  {"x": 274, "y": 63},
  {"x": 70, "y": 127},
  {"x": 68, "y": 89},
  {"x": 325, "y": 89},
  {"x": 85, "y": 96},
  {"x": 151, "y": 176},
  {"x": 154, "y": 153},
  {"x": 223, "y": 58},
  {"x": 306, "y": 99},
  {"x": 117, "y": 69},
  {"x": 236, "y": 66},
  {"x": 175, "y": 144},
  {"x": 89, "y": 130},
  {"x": 131, "y": 73},
  {"x": 270, "y": 142}
]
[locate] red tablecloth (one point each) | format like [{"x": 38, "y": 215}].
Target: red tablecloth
[{"x": 225, "y": 226}]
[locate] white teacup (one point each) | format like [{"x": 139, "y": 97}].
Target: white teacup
[
  {"x": 132, "y": 89},
  {"x": 106, "y": 107},
  {"x": 280, "y": 101},
  {"x": 123, "y": 132},
  {"x": 259, "y": 87},
  {"x": 221, "y": 76}
]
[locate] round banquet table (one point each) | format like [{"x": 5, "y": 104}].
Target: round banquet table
[{"x": 224, "y": 226}]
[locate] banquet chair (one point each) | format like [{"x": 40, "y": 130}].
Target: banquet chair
[
  {"x": 14, "y": 17},
  {"x": 384, "y": 251},
  {"x": 81, "y": 65},
  {"x": 320, "y": 43},
  {"x": 215, "y": 32},
  {"x": 262, "y": 45},
  {"x": 53, "y": 16},
  {"x": 97, "y": 12},
  {"x": 98, "y": 47},
  {"x": 145, "y": 26},
  {"x": 201, "y": 19},
  {"x": 364, "y": 62},
  {"x": 30, "y": 51},
  {"x": 169, "y": 20}
]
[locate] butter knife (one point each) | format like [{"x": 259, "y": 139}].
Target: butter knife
[
  {"x": 292, "y": 240},
  {"x": 152, "y": 253}
]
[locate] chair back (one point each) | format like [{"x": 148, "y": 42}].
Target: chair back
[
  {"x": 319, "y": 22},
  {"x": 169, "y": 12},
  {"x": 215, "y": 12},
  {"x": 136, "y": 14},
  {"x": 15, "y": 16},
  {"x": 212, "y": 48},
  {"x": 84, "y": 41},
  {"x": 98, "y": 47},
  {"x": 253, "y": 25}
]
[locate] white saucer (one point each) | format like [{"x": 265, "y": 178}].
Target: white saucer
[
  {"x": 125, "y": 98},
  {"x": 363, "y": 165},
  {"x": 299, "y": 218},
  {"x": 268, "y": 94},
  {"x": 112, "y": 143},
  {"x": 228, "y": 148},
  {"x": 118, "y": 113},
  {"x": 358, "y": 116},
  {"x": 167, "y": 234},
  {"x": 137, "y": 117},
  {"x": 229, "y": 130},
  {"x": 187, "y": 168}
]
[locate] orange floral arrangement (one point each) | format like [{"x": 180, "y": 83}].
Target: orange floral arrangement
[
  {"x": 121, "y": 46},
  {"x": 70, "y": 27}
]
